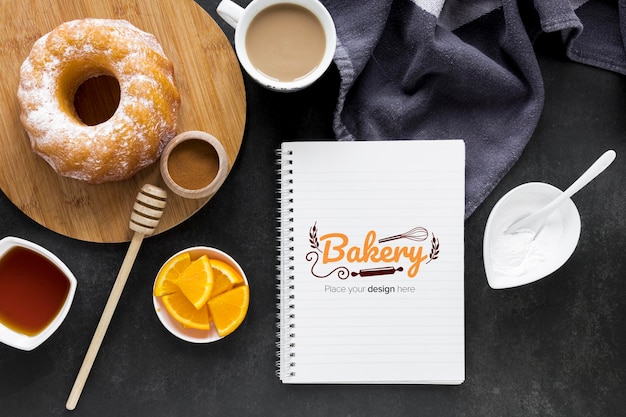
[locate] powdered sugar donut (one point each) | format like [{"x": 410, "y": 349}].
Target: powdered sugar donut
[{"x": 146, "y": 117}]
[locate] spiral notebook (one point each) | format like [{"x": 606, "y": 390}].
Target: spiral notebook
[{"x": 370, "y": 262}]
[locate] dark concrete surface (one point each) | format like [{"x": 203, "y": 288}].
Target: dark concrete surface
[{"x": 553, "y": 348}]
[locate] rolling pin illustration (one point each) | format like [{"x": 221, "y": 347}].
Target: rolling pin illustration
[{"x": 370, "y": 272}]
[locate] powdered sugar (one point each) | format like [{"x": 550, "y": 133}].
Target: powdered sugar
[{"x": 516, "y": 253}]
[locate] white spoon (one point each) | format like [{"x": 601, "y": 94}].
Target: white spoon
[{"x": 535, "y": 221}]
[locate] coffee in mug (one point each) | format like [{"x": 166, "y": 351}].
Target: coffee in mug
[
  {"x": 285, "y": 42},
  {"x": 284, "y": 45}
]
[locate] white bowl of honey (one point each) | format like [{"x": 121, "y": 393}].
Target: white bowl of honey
[{"x": 36, "y": 292}]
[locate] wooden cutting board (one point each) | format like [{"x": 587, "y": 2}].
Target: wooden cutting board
[{"x": 212, "y": 99}]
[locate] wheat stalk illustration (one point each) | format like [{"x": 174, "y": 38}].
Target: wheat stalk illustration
[
  {"x": 314, "y": 242},
  {"x": 434, "y": 250}
]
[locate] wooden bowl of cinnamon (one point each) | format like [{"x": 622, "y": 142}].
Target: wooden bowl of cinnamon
[{"x": 194, "y": 164}]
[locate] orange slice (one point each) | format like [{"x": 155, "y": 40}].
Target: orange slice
[
  {"x": 229, "y": 309},
  {"x": 169, "y": 273},
  {"x": 225, "y": 277},
  {"x": 179, "y": 307},
  {"x": 196, "y": 281}
]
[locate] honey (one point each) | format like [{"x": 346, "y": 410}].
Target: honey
[{"x": 32, "y": 291}]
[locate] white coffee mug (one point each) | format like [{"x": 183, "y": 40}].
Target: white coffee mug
[{"x": 275, "y": 65}]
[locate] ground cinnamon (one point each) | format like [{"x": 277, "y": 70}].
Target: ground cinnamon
[{"x": 193, "y": 164}]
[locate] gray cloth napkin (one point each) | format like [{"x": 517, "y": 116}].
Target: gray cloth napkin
[{"x": 460, "y": 69}]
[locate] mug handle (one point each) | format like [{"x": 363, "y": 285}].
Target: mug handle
[{"x": 230, "y": 12}]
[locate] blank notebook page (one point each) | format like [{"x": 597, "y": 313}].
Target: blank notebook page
[{"x": 371, "y": 284}]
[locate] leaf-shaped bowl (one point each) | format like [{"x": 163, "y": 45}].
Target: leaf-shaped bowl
[{"x": 513, "y": 260}]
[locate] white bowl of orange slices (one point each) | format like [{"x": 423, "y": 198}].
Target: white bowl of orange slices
[{"x": 201, "y": 294}]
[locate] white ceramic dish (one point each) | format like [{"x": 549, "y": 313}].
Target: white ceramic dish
[
  {"x": 559, "y": 236},
  {"x": 174, "y": 327},
  {"x": 26, "y": 342}
]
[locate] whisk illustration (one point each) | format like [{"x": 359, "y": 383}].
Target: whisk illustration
[{"x": 417, "y": 234}]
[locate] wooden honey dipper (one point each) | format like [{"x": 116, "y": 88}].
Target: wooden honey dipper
[{"x": 145, "y": 217}]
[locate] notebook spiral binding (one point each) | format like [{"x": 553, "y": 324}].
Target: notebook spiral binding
[{"x": 285, "y": 364}]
